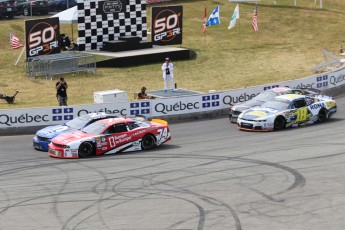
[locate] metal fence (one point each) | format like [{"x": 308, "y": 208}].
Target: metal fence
[
  {"x": 331, "y": 61},
  {"x": 47, "y": 66}
]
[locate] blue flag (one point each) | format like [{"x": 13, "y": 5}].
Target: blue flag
[{"x": 214, "y": 18}]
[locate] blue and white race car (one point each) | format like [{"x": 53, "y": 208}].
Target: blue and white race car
[
  {"x": 289, "y": 110},
  {"x": 44, "y": 136}
]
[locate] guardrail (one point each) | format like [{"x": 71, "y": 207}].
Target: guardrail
[{"x": 68, "y": 62}]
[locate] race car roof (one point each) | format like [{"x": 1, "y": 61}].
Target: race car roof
[
  {"x": 279, "y": 89},
  {"x": 289, "y": 97},
  {"x": 116, "y": 120},
  {"x": 92, "y": 116}
]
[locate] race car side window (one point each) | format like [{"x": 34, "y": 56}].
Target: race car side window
[
  {"x": 132, "y": 125},
  {"x": 309, "y": 101},
  {"x": 299, "y": 103},
  {"x": 117, "y": 128},
  {"x": 120, "y": 128}
]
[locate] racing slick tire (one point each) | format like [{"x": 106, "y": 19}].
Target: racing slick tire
[
  {"x": 279, "y": 123},
  {"x": 148, "y": 142},
  {"x": 323, "y": 115},
  {"x": 86, "y": 149}
]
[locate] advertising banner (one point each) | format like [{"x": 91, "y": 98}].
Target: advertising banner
[
  {"x": 166, "y": 25},
  {"x": 59, "y": 115},
  {"x": 111, "y": 7},
  {"x": 42, "y": 37},
  {"x": 184, "y": 105}
]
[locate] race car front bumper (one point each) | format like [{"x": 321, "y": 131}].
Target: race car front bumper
[
  {"x": 60, "y": 152},
  {"x": 39, "y": 144},
  {"x": 254, "y": 125}
]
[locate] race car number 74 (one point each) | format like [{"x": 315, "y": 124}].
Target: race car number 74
[{"x": 163, "y": 133}]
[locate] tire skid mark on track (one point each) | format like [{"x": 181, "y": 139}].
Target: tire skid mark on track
[
  {"x": 202, "y": 181},
  {"x": 101, "y": 198},
  {"x": 209, "y": 200}
]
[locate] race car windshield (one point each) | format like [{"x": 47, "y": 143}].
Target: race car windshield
[
  {"x": 276, "y": 104},
  {"x": 94, "y": 128},
  {"x": 264, "y": 96},
  {"x": 78, "y": 122}
]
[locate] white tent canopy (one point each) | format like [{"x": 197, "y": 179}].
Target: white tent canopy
[{"x": 69, "y": 16}]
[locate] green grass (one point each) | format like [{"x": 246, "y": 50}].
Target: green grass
[{"x": 287, "y": 46}]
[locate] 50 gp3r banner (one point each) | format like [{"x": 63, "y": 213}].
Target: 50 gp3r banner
[
  {"x": 166, "y": 25},
  {"x": 42, "y": 37}
]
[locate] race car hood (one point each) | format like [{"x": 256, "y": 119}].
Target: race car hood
[
  {"x": 67, "y": 138},
  {"x": 255, "y": 113},
  {"x": 53, "y": 131}
]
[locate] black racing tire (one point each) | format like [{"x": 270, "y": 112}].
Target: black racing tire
[
  {"x": 26, "y": 11},
  {"x": 148, "y": 142},
  {"x": 323, "y": 115},
  {"x": 279, "y": 123},
  {"x": 86, "y": 149}
]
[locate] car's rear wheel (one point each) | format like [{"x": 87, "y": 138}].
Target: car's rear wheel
[
  {"x": 279, "y": 123},
  {"x": 148, "y": 142},
  {"x": 26, "y": 11},
  {"x": 323, "y": 115},
  {"x": 86, "y": 149}
]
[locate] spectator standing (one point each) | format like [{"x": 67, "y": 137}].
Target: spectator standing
[
  {"x": 168, "y": 74},
  {"x": 61, "y": 92}
]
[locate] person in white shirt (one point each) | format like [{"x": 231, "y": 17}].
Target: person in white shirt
[{"x": 168, "y": 74}]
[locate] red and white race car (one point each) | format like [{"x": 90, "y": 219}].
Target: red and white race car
[{"x": 111, "y": 136}]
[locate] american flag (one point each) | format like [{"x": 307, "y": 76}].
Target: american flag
[
  {"x": 14, "y": 41},
  {"x": 255, "y": 20},
  {"x": 204, "y": 24}
]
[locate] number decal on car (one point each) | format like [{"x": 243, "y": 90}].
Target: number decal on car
[
  {"x": 302, "y": 114},
  {"x": 163, "y": 134}
]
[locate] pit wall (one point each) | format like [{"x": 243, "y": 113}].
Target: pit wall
[{"x": 174, "y": 109}]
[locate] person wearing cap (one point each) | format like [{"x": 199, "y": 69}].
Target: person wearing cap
[
  {"x": 61, "y": 92},
  {"x": 168, "y": 74},
  {"x": 143, "y": 94}
]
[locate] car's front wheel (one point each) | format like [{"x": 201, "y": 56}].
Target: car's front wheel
[
  {"x": 86, "y": 149},
  {"x": 279, "y": 123},
  {"x": 323, "y": 115},
  {"x": 148, "y": 142}
]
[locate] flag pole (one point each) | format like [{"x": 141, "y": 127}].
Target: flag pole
[
  {"x": 20, "y": 55},
  {"x": 220, "y": 24},
  {"x": 204, "y": 22}
]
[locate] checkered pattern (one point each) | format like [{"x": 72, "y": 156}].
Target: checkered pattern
[{"x": 95, "y": 28}]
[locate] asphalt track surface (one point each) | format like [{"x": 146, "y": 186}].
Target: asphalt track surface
[{"x": 209, "y": 176}]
